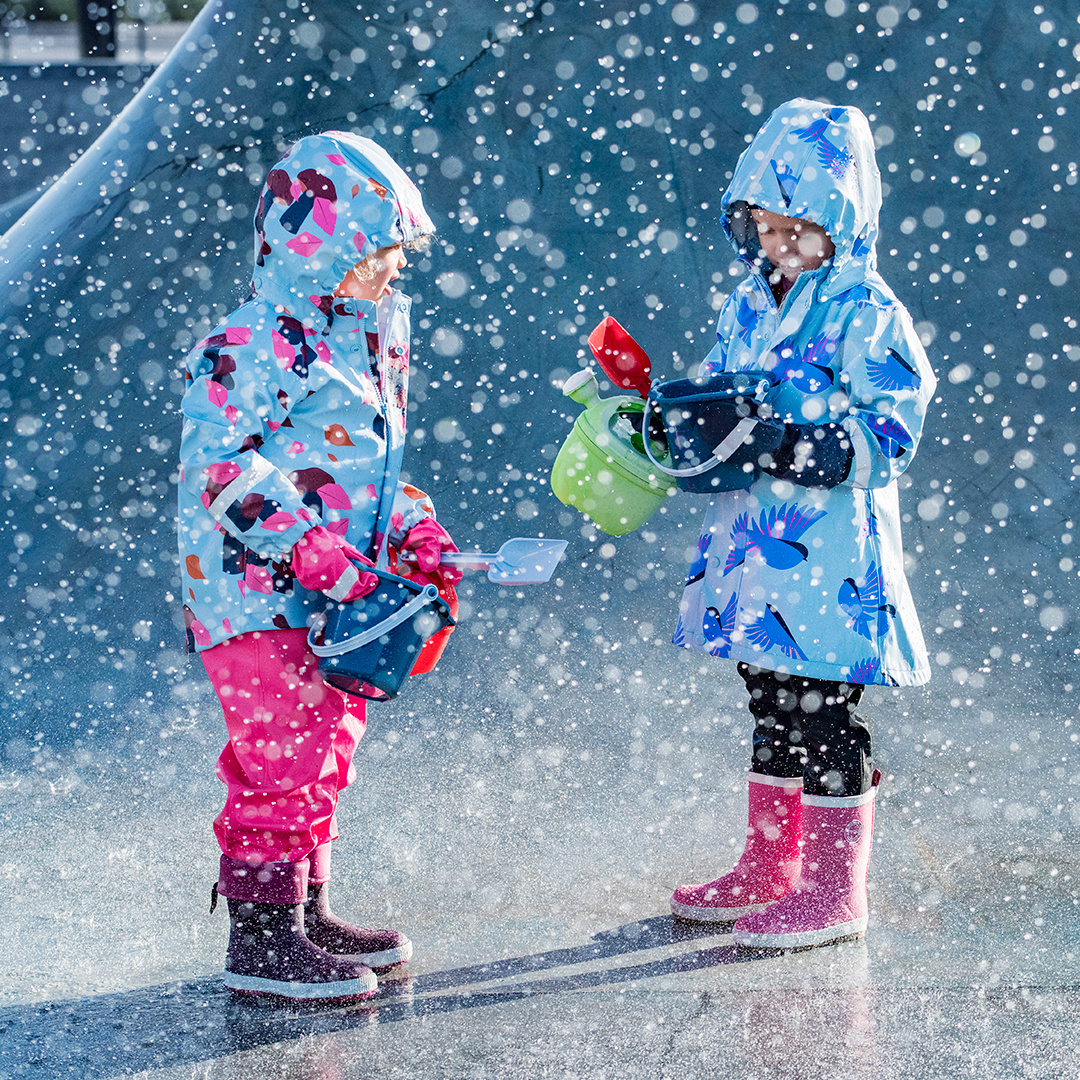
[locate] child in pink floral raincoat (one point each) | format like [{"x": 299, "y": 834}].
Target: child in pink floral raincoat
[{"x": 294, "y": 430}]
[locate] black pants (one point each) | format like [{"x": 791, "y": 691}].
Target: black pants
[{"x": 808, "y": 728}]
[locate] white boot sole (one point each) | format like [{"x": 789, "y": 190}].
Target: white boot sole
[
  {"x": 806, "y": 939},
  {"x": 380, "y": 961},
  {"x": 346, "y": 989},
  {"x": 692, "y": 913}
]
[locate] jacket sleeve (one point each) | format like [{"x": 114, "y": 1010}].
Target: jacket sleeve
[
  {"x": 239, "y": 396},
  {"x": 411, "y": 506},
  {"x": 716, "y": 359},
  {"x": 889, "y": 384}
]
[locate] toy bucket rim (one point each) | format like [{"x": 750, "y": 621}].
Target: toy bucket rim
[
  {"x": 427, "y": 595},
  {"x": 720, "y": 453}
]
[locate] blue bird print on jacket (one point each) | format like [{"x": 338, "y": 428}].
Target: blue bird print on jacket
[
  {"x": 831, "y": 157},
  {"x": 786, "y": 178},
  {"x": 718, "y": 627},
  {"x": 859, "y": 295},
  {"x": 868, "y": 672},
  {"x": 737, "y": 545},
  {"x": 746, "y": 317},
  {"x": 892, "y": 372},
  {"x": 701, "y": 560},
  {"x": 770, "y": 631},
  {"x": 865, "y": 604},
  {"x": 869, "y": 527},
  {"x": 808, "y": 370},
  {"x": 893, "y": 438},
  {"x": 774, "y": 536}
]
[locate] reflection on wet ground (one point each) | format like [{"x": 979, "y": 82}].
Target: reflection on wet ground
[
  {"x": 536, "y": 904},
  {"x": 608, "y": 1018}
]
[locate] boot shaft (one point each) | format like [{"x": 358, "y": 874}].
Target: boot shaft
[
  {"x": 280, "y": 883},
  {"x": 256, "y": 930},
  {"x": 837, "y": 838},
  {"x": 774, "y": 819},
  {"x": 768, "y": 866}
]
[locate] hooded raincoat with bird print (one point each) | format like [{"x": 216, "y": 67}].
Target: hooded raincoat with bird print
[
  {"x": 295, "y": 409},
  {"x": 803, "y": 579}
]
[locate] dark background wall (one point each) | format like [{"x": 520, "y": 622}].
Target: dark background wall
[{"x": 573, "y": 155}]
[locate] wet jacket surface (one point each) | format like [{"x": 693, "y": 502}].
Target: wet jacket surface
[
  {"x": 294, "y": 413},
  {"x": 800, "y": 578}
]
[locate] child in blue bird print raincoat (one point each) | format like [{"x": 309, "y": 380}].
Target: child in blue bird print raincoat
[
  {"x": 799, "y": 576},
  {"x": 294, "y": 431}
]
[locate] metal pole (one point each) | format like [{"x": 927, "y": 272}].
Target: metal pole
[
  {"x": 97, "y": 28},
  {"x": 6, "y": 19}
]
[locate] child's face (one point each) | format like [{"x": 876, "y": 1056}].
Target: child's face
[
  {"x": 792, "y": 245},
  {"x": 387, "y": 264}
]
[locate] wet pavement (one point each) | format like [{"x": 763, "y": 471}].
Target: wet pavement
[{"x": 531, "y": 867}]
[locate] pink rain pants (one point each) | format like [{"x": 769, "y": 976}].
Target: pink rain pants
[{"x": 291, "y": 743}]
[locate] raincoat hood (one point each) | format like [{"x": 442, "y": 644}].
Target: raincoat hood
[
  {"x": 813, "y": 161},
  {"x": 334, "y": 199}
]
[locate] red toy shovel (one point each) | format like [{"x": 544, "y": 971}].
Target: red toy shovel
[{"x": 620, "y": 357}]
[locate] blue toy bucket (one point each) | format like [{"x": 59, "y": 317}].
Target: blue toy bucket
[
  {"x": 715, "y": 426},
  {"x": 368, "y": 647}
]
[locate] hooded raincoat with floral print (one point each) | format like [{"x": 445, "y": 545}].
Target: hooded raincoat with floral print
[
  {"x": 802, "y": 579},
  {"x": 295, "y": 409}
]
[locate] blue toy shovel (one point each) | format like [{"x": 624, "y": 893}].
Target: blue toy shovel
[{"x": 520, "y": 561}]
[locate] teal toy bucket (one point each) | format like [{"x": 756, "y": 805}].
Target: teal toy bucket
[
  {"x": 368, "y": 647},
  {"x": 602, "y": 469}
]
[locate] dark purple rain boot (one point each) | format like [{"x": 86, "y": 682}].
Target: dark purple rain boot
[
  {"x": 379, "y": 949},
  {"x": 268, "y": 953}
]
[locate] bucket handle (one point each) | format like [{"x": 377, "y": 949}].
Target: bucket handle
[
  {"x": 428, "y": 595},
  {"x": 721, "y": 452}
]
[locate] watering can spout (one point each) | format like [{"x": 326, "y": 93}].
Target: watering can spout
[{"x": 583, "y": 388}]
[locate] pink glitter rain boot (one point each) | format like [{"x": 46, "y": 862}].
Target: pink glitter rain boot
[
  {"x": 769, "y": 864},
  {"x": 829, "y": 902}
]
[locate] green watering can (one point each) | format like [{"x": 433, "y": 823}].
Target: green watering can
[{"x": 602, "y": 469}]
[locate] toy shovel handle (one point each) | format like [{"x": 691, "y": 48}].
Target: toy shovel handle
[
  {"x": 468, "y": 560},
  {"x": 460, "y": 560},
  {"x": 520, "y": 561},
  {"x": 620, "y": 357}
]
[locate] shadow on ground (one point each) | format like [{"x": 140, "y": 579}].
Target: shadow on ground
[{"x": 193, "y": 1020}]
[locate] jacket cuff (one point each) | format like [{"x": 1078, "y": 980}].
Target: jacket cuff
[{"x": 813, "y": 455}]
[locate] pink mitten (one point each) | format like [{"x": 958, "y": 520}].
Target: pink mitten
[
  {"x": 428, "y": 540},
  {"x": 325, "y": 562}
]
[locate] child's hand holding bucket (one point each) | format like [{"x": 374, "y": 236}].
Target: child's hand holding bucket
[
  {"x": 427, "y": 540},
  {"x": 325, "y": 562}
]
